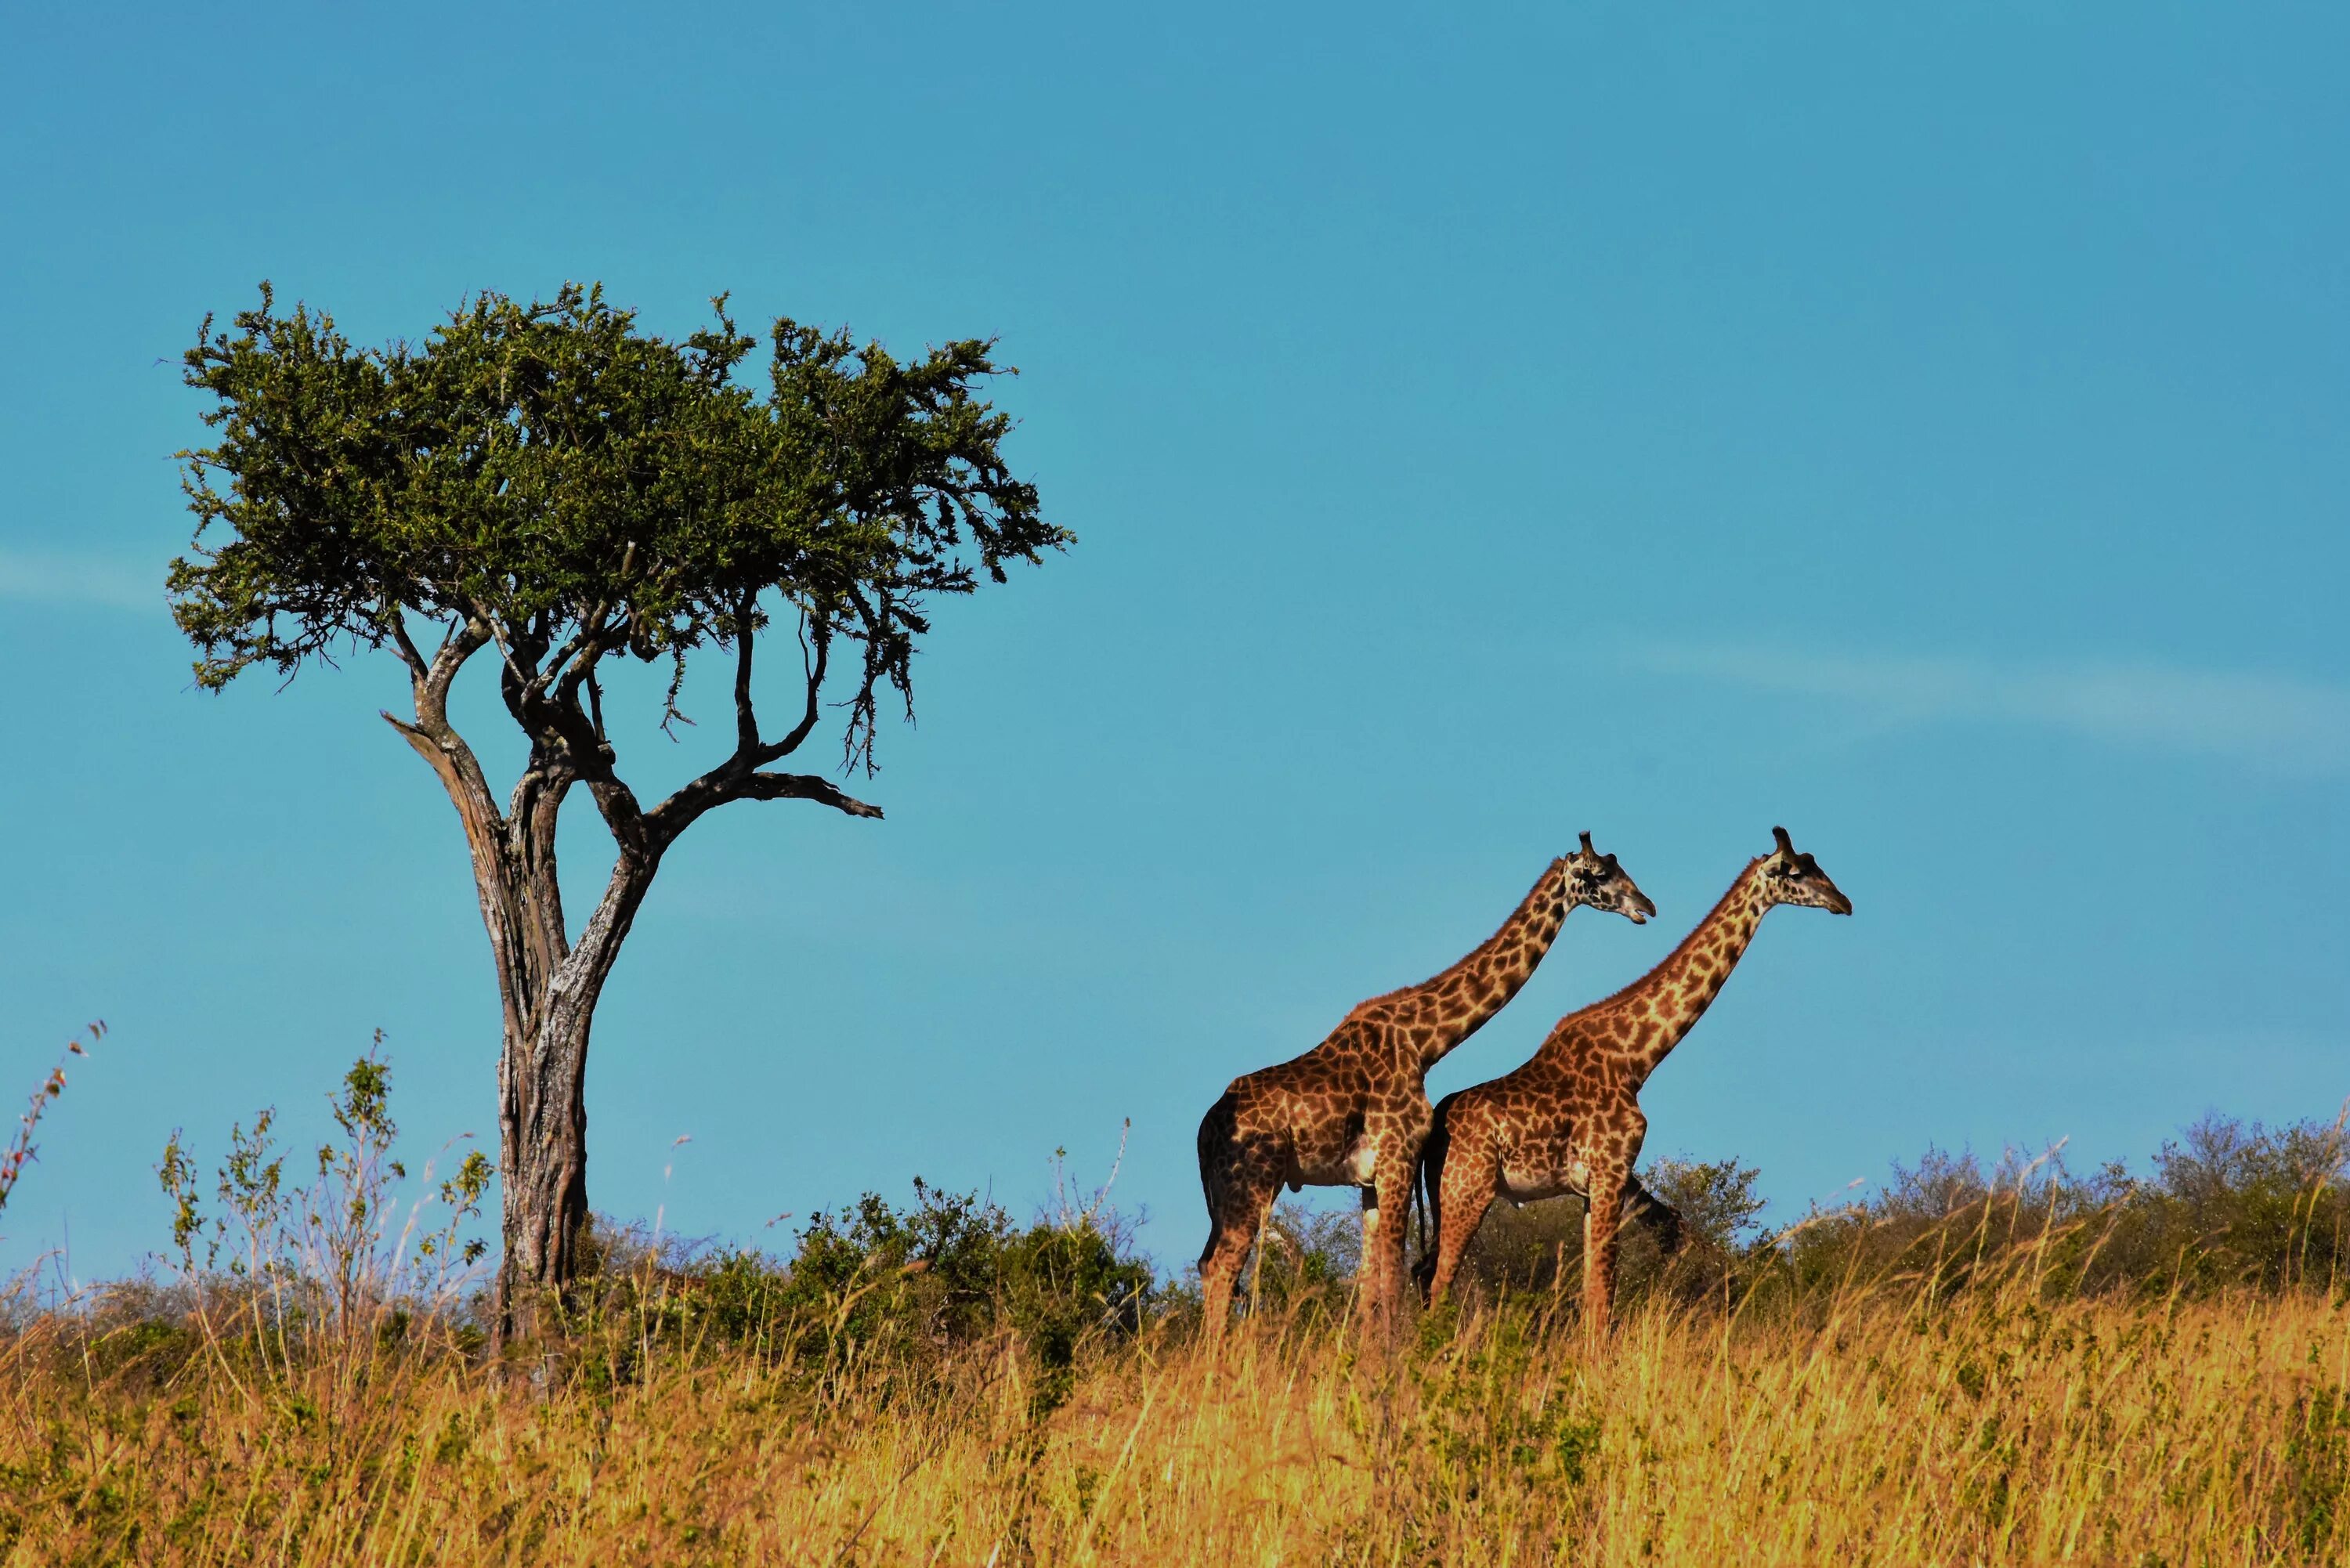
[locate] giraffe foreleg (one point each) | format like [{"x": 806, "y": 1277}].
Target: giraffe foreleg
[
  {"x": 1601, "y": 1219},
  {"x": 1386, "y": 1202}
]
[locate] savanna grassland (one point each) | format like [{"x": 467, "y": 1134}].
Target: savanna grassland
[
  {"x": 2011, "y": 1367},
  {"x": 1995, "y": 1431}
]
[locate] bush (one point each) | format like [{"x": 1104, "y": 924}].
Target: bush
[
  {"x": 332, "y": 1264},
  {"x": 2225, "y": 1205},
  {"x": 871, "y": 1284}
]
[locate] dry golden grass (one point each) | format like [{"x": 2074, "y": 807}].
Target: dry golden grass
[{"x": 1985, "y": 1430}]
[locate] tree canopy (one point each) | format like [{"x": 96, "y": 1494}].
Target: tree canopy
[{"x": 551, "y": 480}]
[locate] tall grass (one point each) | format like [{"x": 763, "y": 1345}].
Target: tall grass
[
  {"x": 2011, "y": 1367},
  {"x": 1890, "y": 1429}
]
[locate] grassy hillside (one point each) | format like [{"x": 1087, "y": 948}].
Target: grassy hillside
[
  {"x": 1993, "y": 1429},
  {"x": 2012, "y": 1366}
]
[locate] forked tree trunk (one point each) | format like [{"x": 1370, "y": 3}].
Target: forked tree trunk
[
  {"x": 548, "y": 988},
  {"x": 542, "y": 1108}
]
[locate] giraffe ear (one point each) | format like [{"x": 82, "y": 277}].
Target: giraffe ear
[
  {"x": 1586, "y": 837},
  {"x": 1786, "y": 846}
]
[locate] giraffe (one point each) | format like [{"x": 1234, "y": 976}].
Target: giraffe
[
  {"x": 1569, "y": 1120},
  {"x": 1352, "y": 1111}
]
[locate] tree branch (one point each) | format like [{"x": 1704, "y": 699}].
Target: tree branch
[
  {"x": 804, "y": 787},
  {"x": 812, "y": 671},
  {"x": 746, "y": 721},
  {"x": 418, "y": 666},
  {"x": 583, "y": 652},
  {"x": 566, "y": 745},
  {"x": 435, "y": 738},
  {"x": 738, "y": 777}
]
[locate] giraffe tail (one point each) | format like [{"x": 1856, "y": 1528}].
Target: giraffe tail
[{"x": 1428, "y": 1191}]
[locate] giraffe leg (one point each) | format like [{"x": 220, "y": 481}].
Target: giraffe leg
[
  {"x": 1600, "y": 1220},
  {"x": 1463, "y": 1189},
  {"x": 1661, "y": 1218},
  {"x": 1430, "y": 1167},
  {"x": 1385, "y": 1202},
  {"x": 1240, "y": 1174},
  {"x": 1233, "y": 1234}
]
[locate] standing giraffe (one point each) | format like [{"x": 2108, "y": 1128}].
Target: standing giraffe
[
  {"x": 1569, "y": 1120},
  {"x": 1352, "y": 1111}
]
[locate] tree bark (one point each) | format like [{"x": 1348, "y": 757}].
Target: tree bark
[{"x": 543, "y": 1108}]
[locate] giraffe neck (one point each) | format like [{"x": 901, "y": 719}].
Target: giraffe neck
[
  {"x": 1438, "y": 1014},
  {"x": 1645, "y": 1020}
]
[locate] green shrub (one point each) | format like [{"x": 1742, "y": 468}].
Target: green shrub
[
  {"x": 872, "y": 1283},
  {"x": 2225, "y": 1205}
]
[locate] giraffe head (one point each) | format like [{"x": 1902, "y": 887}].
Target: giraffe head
[
  {"x": 1595, "y": 880},
  {"x": 1789, "y": 877}
]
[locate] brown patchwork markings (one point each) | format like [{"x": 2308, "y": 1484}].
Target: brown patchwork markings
[
  {"x": 1352, "y": 1111},
  {"x": 1569, "y": 1120}
]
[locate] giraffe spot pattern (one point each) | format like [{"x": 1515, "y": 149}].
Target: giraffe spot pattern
[{"x": 1570, "y": 1120}]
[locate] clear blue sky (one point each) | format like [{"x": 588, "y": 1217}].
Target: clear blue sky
[{"x": 1928, "y": 430}]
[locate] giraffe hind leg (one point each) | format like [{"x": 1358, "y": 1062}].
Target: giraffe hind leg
[
  {"x": 1232, "y": 1234},
  {"x": 1464, "y": 1188},
  {"x": 1240, "y": 1175}
]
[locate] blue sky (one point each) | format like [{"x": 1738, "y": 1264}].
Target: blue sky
[{"x": 1926, "y": 430}]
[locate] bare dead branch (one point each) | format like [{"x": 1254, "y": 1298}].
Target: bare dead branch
[{"x": 806, "y": 786}]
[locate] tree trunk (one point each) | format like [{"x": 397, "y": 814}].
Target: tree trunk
[
  {"x": 548, "y": 987},
  {"x": 548, "y": 990},
  {"x": 543, "y": 1108}
]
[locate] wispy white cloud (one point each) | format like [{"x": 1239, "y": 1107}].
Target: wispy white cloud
[
  {"x": 57, "y": 577},
  {"x": 2302, "y": 726}
]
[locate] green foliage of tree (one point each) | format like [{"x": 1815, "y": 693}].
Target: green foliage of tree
[{"x": 548, "y": 487}]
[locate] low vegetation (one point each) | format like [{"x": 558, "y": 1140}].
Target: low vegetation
[{"x": 2014, "y": 1365}]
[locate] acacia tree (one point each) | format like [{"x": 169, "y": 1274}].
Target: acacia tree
[{"x": 543, "y": 488}]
